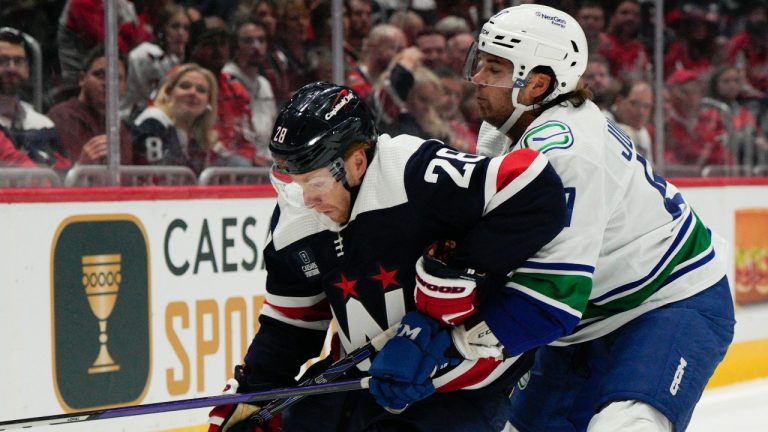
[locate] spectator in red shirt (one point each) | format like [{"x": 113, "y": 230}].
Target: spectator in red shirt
[
  {"x": 627, "y": 55},
  {"x": 697, "y": 47},
  {"x": 80, "y": 121},
  {"x": 384, "y": 42},
  {"x": 10, "y": 156},
  {"x": 697, "y": 135},
  {"x": 292, "y": 41},
  {"x": 748, "y": 50}
]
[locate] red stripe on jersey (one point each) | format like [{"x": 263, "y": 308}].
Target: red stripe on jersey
[
  {"x": 514, "y": 164},
  {"x": 319, "y": 311},
  {"x": 478, "y": 372}
]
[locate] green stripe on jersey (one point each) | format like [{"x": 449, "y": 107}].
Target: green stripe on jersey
[
  {"x": 571, "y": 290},
  {"x": 698, "y": 242}
]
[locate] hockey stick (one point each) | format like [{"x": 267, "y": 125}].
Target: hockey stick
[
  {"x": 282, "y": 397},
  {"x": 333, "y": 373},
  {"x": 185, "y": 404}
]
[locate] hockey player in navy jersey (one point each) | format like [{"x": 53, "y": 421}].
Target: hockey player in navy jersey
[
  {"x": 635, "y": 266},
  {"x": 356, "y": 213}
]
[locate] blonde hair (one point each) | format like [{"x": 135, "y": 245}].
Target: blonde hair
[
  {"x": 203, "y": 127},
  {"x": 430, "y": 120}
]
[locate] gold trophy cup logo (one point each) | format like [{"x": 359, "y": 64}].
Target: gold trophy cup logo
[{"x": 101, "y": 279}]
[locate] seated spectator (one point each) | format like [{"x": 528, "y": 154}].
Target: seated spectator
[
  {"x": 621, "y": 46},
  {"x": 419, "y": 115},
  {"x": 463, "y": 138},
  {"x": 30, "y": 132},
  {"x": 697, "y": 47},
  {"x": 747, "y": 139},
  {"x": 80, "y": 120},
  {"x": 591, "y": 17},
  {"x": 696, "y": 135},
  {"x": 179, "y": 128},
  {"x": 451, "y": 25},
  {"x": 149, "y": 62},
  {"x": 81, "y": 28},
  {"x": 457, "y": 48},
  {"x": 275, "y": 66},
  {"x": 409, "y": 22},
  {"x": 748, "y": 49},
  {"x": 359, "y": 14},
  {"x": 250, "y": 52},
  {"x": 632, "y": 112},
  {"x": 209, "y": 47},
  {"x": 432, "y": 44},
  {"x": 383, "y": 43},
  {"x": 292, "y": 41},
  {"x": 598, "y": 78}
]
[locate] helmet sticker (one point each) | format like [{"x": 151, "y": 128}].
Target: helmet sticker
[
  {"x": 344, "y": 100},
  {"x": 555, "y": 20}
]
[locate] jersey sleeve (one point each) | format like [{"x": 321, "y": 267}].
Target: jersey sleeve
[
  {"x": 503, "y": 209},
  {"x": 294, "y": 320}
]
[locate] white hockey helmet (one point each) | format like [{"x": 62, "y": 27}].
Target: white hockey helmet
[{"x": 532, "y": 35}]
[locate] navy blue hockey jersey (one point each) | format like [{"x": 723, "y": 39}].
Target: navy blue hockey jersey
[{"x": 500, "y": 210}]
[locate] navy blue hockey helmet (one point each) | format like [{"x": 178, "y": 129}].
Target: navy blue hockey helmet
[{"x": 317, "y": 125}]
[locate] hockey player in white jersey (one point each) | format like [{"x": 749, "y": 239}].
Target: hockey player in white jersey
[{"x": 635, "y": 267}]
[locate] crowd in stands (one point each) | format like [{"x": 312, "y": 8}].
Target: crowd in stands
[{"x": 200, "y": 82}]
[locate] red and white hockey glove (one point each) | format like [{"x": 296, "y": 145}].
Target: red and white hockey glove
[
  {"x": 234, "y": 418},
  {"x": 443, "y": 292}
]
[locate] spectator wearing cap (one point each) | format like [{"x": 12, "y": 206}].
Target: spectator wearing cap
[
  {"x": 149, "y": 62},
  {"x": 30, "y": 132},
  {"x": 250, "y": 51},
  {"x": 697, "y": 134},
  {"x": 697, "y": 46},
  {"x": 621, "y": 46},
  {"x": 210, "y": 48},
  {"x": 748, "y": 49},
  {"x": 80, "y": 120}
]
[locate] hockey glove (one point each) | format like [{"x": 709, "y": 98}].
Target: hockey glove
[
  {"x": 443, "y": 292},
  {"x": 474, "y": 340},
  {"x": 402, "y": 370},
  {"x": 234, "y": 418}
]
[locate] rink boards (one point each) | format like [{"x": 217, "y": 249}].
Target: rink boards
[{"x": 113, "y": 297}]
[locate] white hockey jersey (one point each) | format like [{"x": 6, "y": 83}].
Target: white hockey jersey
[{"x": 631, "y": 242}]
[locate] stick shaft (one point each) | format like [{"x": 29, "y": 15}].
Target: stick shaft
[{"x": 185, "y": 404}]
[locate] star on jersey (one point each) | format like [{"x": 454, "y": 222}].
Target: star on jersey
[
  {"x": 347, "y": 287},
  {"x": 386, "y": 278}
]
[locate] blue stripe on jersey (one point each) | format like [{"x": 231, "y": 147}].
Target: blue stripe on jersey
[
  {"x": 693, "y": 266},
  {"x": 679, "y": 238},
  {"x": 559, "y": 266}
]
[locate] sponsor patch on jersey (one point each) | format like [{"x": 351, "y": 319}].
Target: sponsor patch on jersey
[
  {"x": 549, "y": 136},
  {"x": 307, "y": 263}
]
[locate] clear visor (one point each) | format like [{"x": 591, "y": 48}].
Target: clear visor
[
  {"x": 485, "y": 69},
  {"x": 304, "y": 189}
]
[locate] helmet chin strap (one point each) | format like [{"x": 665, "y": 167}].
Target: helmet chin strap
[{"x": 517, "y": 110}]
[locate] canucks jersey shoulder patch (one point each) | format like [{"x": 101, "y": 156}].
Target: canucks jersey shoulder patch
[{"x": 550, "y": 135}]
